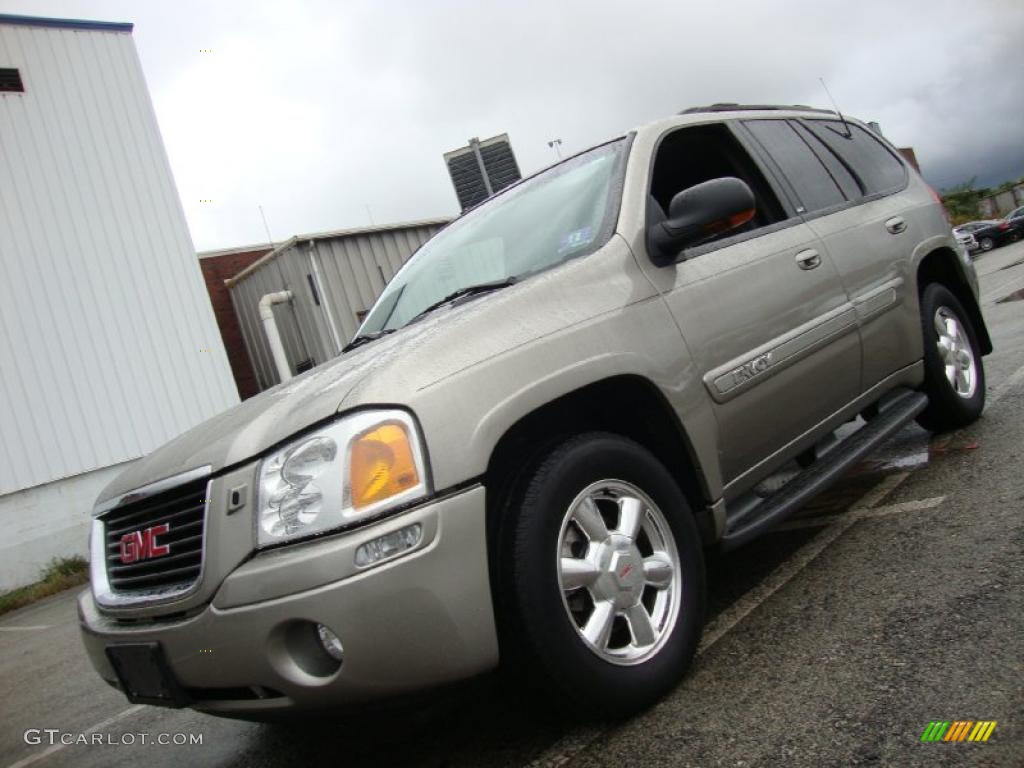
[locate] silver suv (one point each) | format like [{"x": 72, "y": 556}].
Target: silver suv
[{"x": 557, "y": 404}]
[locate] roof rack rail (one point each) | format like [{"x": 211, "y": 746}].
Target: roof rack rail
[{"x": 733, "y": 107}]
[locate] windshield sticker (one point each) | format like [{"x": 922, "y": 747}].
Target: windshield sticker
[{"x": 575, "y": 239}]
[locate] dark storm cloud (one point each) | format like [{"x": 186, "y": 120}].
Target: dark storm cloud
[{"x": 329, "y": 113}]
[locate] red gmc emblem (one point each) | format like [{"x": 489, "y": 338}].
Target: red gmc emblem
[{"x": 141, "y": 545}]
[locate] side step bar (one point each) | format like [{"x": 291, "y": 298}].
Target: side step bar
[{"x": 901, "y": 408}]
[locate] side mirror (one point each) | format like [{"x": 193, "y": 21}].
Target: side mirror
[{"x": 698, "y": 214}]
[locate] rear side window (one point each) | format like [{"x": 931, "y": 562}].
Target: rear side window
[
  {"x": 808, "y": 177},
  {"x": 878, "y": 169},
  {"x": 839, "y": 172}
]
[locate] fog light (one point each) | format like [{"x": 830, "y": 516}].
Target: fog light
[
  {"x": 330, "y": 642},
  {"x": 389, "y": 545}
]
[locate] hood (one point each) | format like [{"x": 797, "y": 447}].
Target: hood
[
  {"x": 252, "y": 426},
  {"x": 256, "y": 424},
  {"x": 389, "y": 371}
]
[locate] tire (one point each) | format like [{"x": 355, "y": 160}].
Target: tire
[
  {"x": 626, "y": 668},
  {"x": 986, "y": 243},
  {"x": 958, "y": 402}
]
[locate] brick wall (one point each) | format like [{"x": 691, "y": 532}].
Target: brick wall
[{"x": 216, "y": 269}]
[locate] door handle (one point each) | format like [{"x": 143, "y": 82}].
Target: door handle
[
  {"x": 895, "y": 225},
  {"x": 808, "y": 259}
]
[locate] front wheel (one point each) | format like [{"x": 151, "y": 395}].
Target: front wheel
[
  {"x": 605, "y": 578},
  {"x": 954, "y": 373},
  {"x": 987, "y": 243}
]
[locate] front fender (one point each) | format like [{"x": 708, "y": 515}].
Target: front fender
[{"x": 639, "y": 340}]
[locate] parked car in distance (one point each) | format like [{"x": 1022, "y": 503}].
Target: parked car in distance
[
  {"x": 991, "y": 233},
  {"x": 1016, "y": 217},
  {"x": 555, "y": 406},
  {"x": 967, "y": 240}
]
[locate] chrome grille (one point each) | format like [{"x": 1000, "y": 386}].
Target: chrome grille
[{"x": 145, "y": 558}]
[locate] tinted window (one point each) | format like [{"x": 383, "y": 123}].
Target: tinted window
[
  {"x": 877, "y": 167},
  {"x": 805, "y": 173},
  {"x": 839, "y": 172}
]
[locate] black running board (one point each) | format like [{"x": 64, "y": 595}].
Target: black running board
[{"x": 900, "y": 409}]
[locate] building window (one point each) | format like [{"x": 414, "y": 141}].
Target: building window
[{"x": 10, "y": 81}]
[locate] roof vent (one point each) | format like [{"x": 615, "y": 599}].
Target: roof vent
[
  {"x": 481, "y": 169},
  {"x": 10, "y": 81}
]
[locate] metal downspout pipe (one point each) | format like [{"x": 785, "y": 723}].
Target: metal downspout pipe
[{"x": 267, "y": 302}]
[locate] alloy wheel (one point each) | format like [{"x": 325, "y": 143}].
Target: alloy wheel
[
  {"x": 619, "y": 572},
  {"x": 956, "y": 353}
]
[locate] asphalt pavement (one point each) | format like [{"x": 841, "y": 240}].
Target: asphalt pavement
[{"x": 895, "y": 600}]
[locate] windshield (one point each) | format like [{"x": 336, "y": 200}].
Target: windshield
[{"x": 564, "y": 212}]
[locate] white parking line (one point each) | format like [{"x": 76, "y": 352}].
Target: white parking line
[
  {"x": 24, "y": 629},
  {"x": 821, "y": 521},
  {"x": 879, "y": 492},
  {"x": 916, "y": 505},
  {"x": 781, "y": 576},
  {"x": 32, "y": 759},
  {"x": 563, "y": 750},
  {"x": 1005, "y": 289}
]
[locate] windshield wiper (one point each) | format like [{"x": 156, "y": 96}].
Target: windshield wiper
[
  {"x": 469, "y": 290},
  {"x": 366, "y": 338}
]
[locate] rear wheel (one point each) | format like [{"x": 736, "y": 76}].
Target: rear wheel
[
  {"x": 604, "y": 581},
  {"x": 954, "y": 373}
]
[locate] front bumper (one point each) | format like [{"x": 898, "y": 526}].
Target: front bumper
[{"x": 421, "y": 620}]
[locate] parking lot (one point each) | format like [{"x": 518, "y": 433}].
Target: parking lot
[{"x": 895, "y": 600}]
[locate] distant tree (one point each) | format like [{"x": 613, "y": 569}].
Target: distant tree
[{"x": 962, "y": 200}]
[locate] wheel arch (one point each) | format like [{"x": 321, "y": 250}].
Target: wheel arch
[
  {"x": 943, "y": 265},
  {"x": 627, "y": 404}
]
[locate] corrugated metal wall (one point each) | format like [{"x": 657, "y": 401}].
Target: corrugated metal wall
[
  {"x": 108, "y": 345},
  {"x": 246, "y": 296},
  {"x": 349, "y": 269}
]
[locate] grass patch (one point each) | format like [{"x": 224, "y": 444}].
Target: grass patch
[{"x": 60, "y": 574}]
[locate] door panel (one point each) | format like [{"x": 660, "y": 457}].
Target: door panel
[
  {"x": 872, "y": 262},
  {"x": 872, "y": 244},
  {"x": 775, "y": 343}
]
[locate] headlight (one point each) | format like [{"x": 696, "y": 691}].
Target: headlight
[{"x": 350, "y": 470}]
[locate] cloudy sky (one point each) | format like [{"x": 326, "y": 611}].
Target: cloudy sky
[{"x": 335, "y": 114}]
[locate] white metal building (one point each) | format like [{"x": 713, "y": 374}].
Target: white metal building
[{"x": 108, "y": 345}]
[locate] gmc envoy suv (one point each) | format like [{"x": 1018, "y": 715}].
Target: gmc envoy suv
[{"x": 555, "y": 407}]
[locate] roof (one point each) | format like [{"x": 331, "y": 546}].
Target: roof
[
  {"x": 371, "y": 229},
  {"x": 733, "y": 107},
  {"x": 236, "y": 249},
  {"x": 282, "y": 247},
  {"x": 45, "y": 21}
]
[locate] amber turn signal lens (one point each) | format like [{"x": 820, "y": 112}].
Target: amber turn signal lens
[
  {"x": 724, "y": 225},
  {"x": 381, "y": 465}
]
